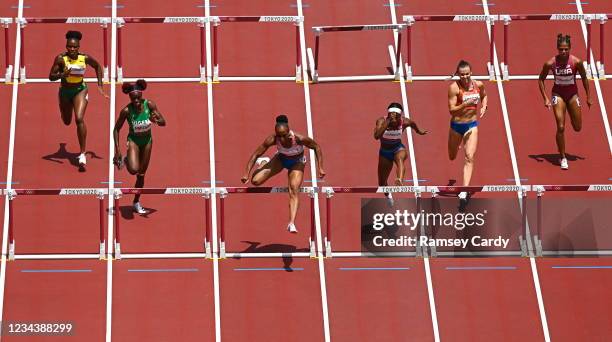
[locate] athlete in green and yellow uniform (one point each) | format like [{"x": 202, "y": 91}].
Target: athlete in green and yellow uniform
[
  {"x": 69, "y": 67},
  {"x": 140, "y": 114}
]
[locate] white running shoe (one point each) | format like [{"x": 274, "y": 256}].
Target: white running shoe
[
  {"x": 291, "y": 228},
  {"x": 564, "y": 164},
  {"x": 462, "y": 195},
  {"x": 262, "y": 161},
  {"x": 389, "y": 199},
  {"x": 82, "y": 159},
  {"x": 139, "y": 209}
]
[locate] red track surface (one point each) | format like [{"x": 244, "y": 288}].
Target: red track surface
[
  {"x": 468, "y": 40},
  {"x": 479, "y": 305},
  {"x": 162, "y": 306},
  {"x": 165, "y": 57},
  {"x": 266, "y": 49},
  {"x": 270, "y": 305},
  {"x": 383, "y": 304},
  {"x": 77, "y": 298}
]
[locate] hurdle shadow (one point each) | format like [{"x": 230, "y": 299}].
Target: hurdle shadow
[
  {"x": 553, "y": 158},
  {"x": 62, "y": 155},
  {"x": 255, "y": 247}
]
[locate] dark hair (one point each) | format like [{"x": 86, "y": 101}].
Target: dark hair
[
  {"x": 462, "y": 64},
  {"x": 74, "y": 35},
  {"x": 138, "y": 85},
  {"x": 563, "y": 39},
  {"x": 282, "y": 120},
  {"x": 395, "y": 105}
]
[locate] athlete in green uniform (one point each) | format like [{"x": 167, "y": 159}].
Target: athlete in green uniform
[{"x": 140, "y": 114}]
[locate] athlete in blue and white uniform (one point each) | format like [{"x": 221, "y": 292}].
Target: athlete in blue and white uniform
[
  {"x": 389, "y": 131},
  {"x": 290, "y": 156}
]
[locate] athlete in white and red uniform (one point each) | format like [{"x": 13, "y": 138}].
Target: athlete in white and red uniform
[
  {"x": 290, "y": 155},
  {"x": 389, "y": 131},
  {"x": 565, "y": 91}
]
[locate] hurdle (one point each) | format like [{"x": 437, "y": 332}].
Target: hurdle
[
  {"x": 216, "y": 23},
  {"x": 521, "y": 191},
  {"x": 8, "y": 70},
  {"x": 200, "y": 21},
  {"x": 224, "y": 194},
  {"x": 587, "y": 18},
  {"x": 330, "y": 191},
  {"x": 12, "y": 194},
  {"x": 410, "y": 20},
  {"x": 541, "y": 190},
  {"x": 313, "y": 60},
  {"x": 103, "y": 21},
  {"x": 203, "y": 192}
]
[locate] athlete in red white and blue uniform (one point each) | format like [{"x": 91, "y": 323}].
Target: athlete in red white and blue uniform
[
  {"x": 290, "y": 156},
  {"x": 565, "y": 91},
  {"x": 389, "y": 131}
]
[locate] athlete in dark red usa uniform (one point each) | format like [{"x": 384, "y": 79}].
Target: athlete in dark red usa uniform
[{"x": 565, "y": 91}]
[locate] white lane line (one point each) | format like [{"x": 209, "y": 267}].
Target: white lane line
[
  {"x": 213, "y": 176},
  {"x": 111, "y": 178},
  {"x": 313, "y": 172},
  {"x": 430, "y": 290},
  {"x": 9, "y": 170},
  {"x": 602, "y": 105},
  {"x": 502, "y": 96}
]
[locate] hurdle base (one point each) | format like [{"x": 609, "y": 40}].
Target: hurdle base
[
  {"x": 102, "y": 250},
  {"x": 119, "y": 75},
  {"x": 8, "y": 78},
  {"x": 328, "y": 249},
  {"x": 207, "y": 250},
  {"x": 601, "y": 71},
  {"x": 202, "y": 74},
  {"x": 11, "y": 251},
  {"x": 504, "y": 71},
  {"x": 215, "y": 77},
  {"x": 298, "y": 73},
  {"x": 418, "y": 251},
  {"x": 433, "y": 252},
  {"x": 587, "y": 68},
  {"x": 117, "y": 250},
  {"x": 408, "y": 72},
  {"x": 105, "y": 78},
  {"x": 491, "y": 69},
  {"x": 523, "y": 244},
  {"x": 222, "y": 254},
  {"x": 22, "y": 75},
  {"x": 313, "y": 249},
  {"x": 538, "y": 246},
  {"x": 311, "y": 66}
]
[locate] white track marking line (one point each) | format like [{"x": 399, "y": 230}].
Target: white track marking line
[
  {"x": 213, "y": 176},
  {"x": 430, "y": 290},
  {"x": 502, "y": 96},
  {"x": 313, "y": 171},
  {"x": 602, "y": 105},
  {"x": 9, "y": 170},
  {"x": 111, "y": 179}
]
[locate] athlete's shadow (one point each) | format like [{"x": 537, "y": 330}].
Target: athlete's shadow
[
  {"x": 127, "y": 212},
  {"x": 254, "y": 247},
  {"x": 553, "y": 158},
  {"x": 72, "y": 158}
]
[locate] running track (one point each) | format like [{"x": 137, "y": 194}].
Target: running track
[{"x": 163, "y": 297}]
